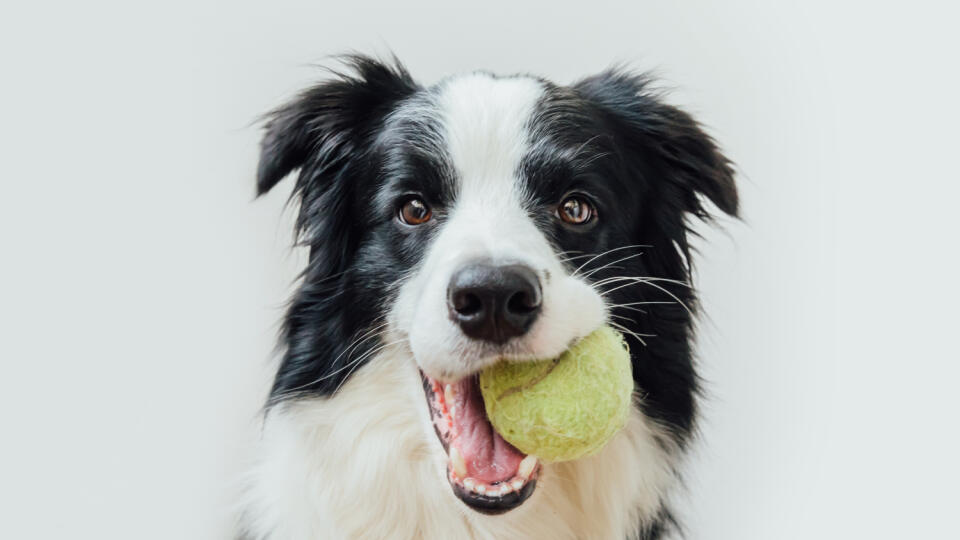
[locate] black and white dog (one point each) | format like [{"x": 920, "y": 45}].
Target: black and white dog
[{"x": 451, "y": 226}]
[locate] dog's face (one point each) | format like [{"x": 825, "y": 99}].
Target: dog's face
[
  {"x": 487, "y": 218},
  {"x": 490, "y": 281}
]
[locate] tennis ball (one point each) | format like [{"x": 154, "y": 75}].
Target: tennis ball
[{"x": 564, "y": 408}]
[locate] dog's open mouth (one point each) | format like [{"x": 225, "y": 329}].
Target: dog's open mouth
[{"x": 486, "y": 472}]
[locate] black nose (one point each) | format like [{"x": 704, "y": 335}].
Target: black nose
[{"x": 494, "y": 303}]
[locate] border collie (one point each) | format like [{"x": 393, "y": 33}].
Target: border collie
[{"x": 451, "y": 226}]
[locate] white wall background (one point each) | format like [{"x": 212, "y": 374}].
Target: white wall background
[{"x": 141, "y": 286}]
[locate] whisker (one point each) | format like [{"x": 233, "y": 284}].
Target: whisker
[
  {"x": 353, "y": 345},
  {"x": 634, "y": 334},
  {"x": 642, "y": 303},
  {"x": 614, "y": 279},
  {"x": 628, "y": 257},
  {"x": 595, "y": 257},
  {"x": 671, "y": 295},
  {"x": 369, "y": 353},
  {"x": 624, "y": 306},
  {"x": 587, "y": 162},
  {"x": 352, "y": 364},
  {"x": 628, "y": 319},
  {"x": 576, "y": 152},
  {"x": 652, "y": 284},
  {"x": 627, "y": 331},
  {"x": 568, "y": 259}
]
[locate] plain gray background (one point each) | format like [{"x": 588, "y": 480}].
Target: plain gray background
[{"x": 141, "y": 285}]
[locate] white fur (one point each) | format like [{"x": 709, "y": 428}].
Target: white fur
[{"x": 366, "y": 464}]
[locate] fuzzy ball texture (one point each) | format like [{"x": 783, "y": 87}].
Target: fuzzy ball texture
[{"x": 564, "y": 408}]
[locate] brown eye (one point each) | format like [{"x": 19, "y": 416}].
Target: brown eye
[
  {"x": 576, "y": 211},
  {"x": 415, "y": 212}
]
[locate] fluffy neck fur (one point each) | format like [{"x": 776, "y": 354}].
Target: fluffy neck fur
[{"x": 366, "y": 463}]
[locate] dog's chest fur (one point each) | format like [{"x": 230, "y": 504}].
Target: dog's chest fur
[{"x": 365, "y": 464}]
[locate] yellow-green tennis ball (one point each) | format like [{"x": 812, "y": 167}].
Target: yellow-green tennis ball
[{"x": 565, "y": 408}]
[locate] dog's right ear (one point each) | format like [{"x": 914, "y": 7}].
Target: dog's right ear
[{"x": 328, "y": 122}]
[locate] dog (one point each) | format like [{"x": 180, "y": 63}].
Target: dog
[{"x": 451, "y": 226}]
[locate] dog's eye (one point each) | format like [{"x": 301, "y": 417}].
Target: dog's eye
[
  {"x": 414, "y": 212},
  {"x": 576, "y": 210}
]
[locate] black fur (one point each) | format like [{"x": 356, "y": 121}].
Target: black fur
[
  {"x": 328, "y": 133},
  {"x": 660, "y": 163},
  {"x": 648, "y": 165}
]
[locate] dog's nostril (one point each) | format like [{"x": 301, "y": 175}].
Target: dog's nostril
[
  {"x": 467, "y": 303},
  {"x": 522, "y": 302}
]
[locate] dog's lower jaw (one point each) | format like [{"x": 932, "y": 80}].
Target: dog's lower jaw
[{"x": 366, "y": 463}]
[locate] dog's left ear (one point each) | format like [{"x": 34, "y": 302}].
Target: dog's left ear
[{"x": 686, "y": 161}]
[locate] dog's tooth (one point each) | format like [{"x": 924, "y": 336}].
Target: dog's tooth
[
  {"x": 456, "y": 460},
  {"x": 453, "y": 411},
  {"x": 504, "y": 489},
  {"x": 516, "y": 484},
  {"x": 526, "y": 467},
  {"x": 448, "y": 394},
  {"x": 469, "y": 483},
  {"x": 480, "y": 489}
]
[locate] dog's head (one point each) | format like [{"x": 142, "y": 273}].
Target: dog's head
[{"x": 486, "y": 218}]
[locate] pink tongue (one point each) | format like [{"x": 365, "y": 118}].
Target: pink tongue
[{"x": 488, "y": 457}]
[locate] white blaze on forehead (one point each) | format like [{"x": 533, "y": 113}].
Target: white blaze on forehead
[{"x": 485, "y": 129}]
